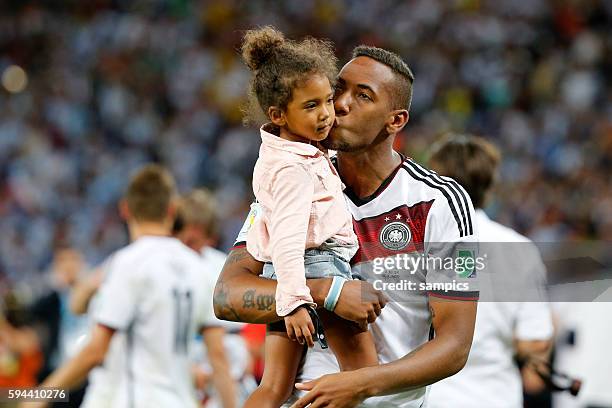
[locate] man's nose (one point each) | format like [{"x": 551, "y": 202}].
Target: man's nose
[{"x": 341, "y": 104}]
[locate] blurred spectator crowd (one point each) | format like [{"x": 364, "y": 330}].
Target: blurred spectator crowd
[{"x": 108, "y": 85}]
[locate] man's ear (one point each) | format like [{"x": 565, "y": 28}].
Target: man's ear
[
  {"x": 397, "y": 120},
  {"x": 124, "y": 210},
  {"x": 277, "y": 116}
]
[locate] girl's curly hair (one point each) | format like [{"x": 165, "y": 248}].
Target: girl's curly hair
[{"x": 279, "y": 65}]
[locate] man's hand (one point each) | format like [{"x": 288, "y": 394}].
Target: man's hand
[
  {"x": 299, "y": 326},
  {"x": 535, "y": 352},
  {"x": 84, "y": 290},
  {"x": 332, "y": 391},
  {"x": 200, "y": 377},
  {"x": 432, "y": 361},
  {"x": 360, "y": 303}
]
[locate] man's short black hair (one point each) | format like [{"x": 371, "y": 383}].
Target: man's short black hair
[{"x": 402, "y": 91}]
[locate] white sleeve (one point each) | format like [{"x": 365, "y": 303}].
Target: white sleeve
[
  {"x": 451, "y": 245},
  {"x": 118, "y": 295},
  {"x": 534, "y": 321}
]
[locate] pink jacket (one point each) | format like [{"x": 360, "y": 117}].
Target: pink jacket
[{"x": 302, "y": 206}]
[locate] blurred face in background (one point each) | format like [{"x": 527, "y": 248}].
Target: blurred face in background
[
  {"x": 193, "y": 236},
  {"x": 363, "y": 102},
  {"x": 195, "y": 224},
  {"x": 67, "y": 264}
]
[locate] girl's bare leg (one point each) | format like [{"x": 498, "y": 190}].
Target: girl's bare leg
[
  {"x": 282, "y": 357},
  {"x": 353, "y": 347}
]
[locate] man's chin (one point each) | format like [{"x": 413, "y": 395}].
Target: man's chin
[
  {"x": 340, "y": 145},
  {"x": 333, "y": 144},
  {"x": 334, "y": 141}
]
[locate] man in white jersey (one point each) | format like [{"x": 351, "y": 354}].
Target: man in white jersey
[
  {"x": 398, "y": 208},
  {"x": 195, "y": 230},
  {"x": 154, "y": 296},
  {"x": 491, "y": 378}
]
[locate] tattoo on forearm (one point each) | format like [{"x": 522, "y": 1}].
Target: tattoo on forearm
[
  {"x": 262, "y": 302},
  {"x": 248, "y": 299},
  {"x": 265, "y": 302},
  {"x": 222, "y": 304}
]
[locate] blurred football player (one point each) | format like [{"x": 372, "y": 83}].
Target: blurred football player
[
  {"x": 153, "y": 297},
  {"x": 491, "y": 378}
]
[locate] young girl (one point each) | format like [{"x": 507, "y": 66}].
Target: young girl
[{"x": 305, "y": 230}]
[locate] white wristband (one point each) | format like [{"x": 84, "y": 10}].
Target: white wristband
[{"x": 334, "y": 293}]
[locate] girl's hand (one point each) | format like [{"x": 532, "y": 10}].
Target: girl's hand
[{"x": 299, "y": 326}]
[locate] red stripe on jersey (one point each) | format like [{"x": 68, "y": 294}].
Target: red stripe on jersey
[
  {"x": 369, "y": 229},
  {"x": 238, "y": 245}
]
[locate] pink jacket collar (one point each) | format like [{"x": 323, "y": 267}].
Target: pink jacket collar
[{"x": 275, "y": 142}]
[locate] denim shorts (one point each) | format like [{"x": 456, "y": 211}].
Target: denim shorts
[{"x": 319, "y": 263}]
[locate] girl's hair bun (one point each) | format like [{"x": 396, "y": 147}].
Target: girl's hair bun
[{"x": 260, "y": 45}]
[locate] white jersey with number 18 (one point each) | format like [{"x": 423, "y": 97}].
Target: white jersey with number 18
[{"x": 154, "y": 295}]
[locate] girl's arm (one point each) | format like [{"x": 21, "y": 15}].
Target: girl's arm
[{"x": 292, "y": 191}]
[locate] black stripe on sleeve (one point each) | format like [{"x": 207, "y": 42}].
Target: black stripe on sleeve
[
  {"x": 451, "y": 182},
  {"x": 462, "y": 203},
  {"x": 445, "y": 193},
  {"x": 466, "y": 201},
  {"x": 442, "y": 183}
]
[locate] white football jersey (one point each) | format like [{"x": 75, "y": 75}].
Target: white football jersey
[
  {"x": 490, "y": 377},
  {"x": 154, "y": 296},
  {"x": 414, "y": 211}
]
